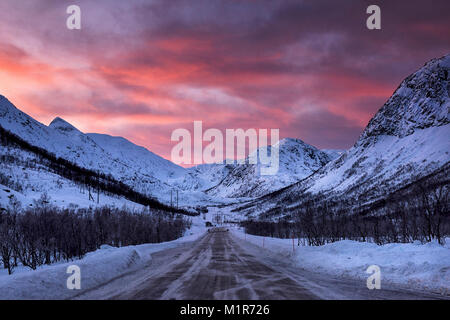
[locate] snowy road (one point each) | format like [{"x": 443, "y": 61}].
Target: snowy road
[{"x": 221, "y": 266}]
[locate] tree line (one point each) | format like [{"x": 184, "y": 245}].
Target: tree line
[
  {"x": 419, "y": 213},
  {"x": 46, "y": 234}
]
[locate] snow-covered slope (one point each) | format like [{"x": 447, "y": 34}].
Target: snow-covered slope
[
  {"x": 152, "y": 175},
  {"x": 421, "y": 101},
  {"x": 407, "y": 139},
  {"x": 140, "y": 158},
  {"x": 297, "y": 160},
  {"x": 133, "y": 165},
  {"x": 204, "y": 176},
  {"x": 414, "y": 265},
  {"x": 60, "y": 138},
  {"x": 25, "y": 178},
  {"x": 333, "y": 153}
]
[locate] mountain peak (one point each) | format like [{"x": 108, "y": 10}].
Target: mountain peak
[
  {"x": 421, "y": 101},
  {"x": 62, "y": 125},
  {"x": 287, "y": 141},
  {"x": 5, "y": 105}
]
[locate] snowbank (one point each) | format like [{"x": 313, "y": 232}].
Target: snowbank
[
  {"x": 103, "y": 265},
  {"x": 415, "y": 265}
]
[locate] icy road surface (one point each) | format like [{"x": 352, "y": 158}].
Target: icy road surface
[{"x": 220, "y": 266}]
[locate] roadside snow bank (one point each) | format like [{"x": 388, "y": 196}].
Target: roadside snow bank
[
  {"x": 416, "y": 265},
  {"x": 98, "y": 267}
]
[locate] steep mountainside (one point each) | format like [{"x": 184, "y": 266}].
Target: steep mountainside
[
  {"x": 297, "y": 160},
  {"x": 333, "y": 153},
  {"x": 32, "y": 175},
  {"x": 407, "y": 139},
  {"x": 94, "y": 152},
  {"x": 141, "y": 159}
]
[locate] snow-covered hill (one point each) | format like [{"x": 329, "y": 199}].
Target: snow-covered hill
[
  {"x": 297, "y": 160},
  {"x": 135, "y": 166},
  {"x": 155, "y": 176},
  {"x": 407, "y": 139},
  {"x": 140, "y": 158},
  {"x": 25, "y": 178},
  {"x": 333, "y": 153},
  {"x": 60, "y": 138}
]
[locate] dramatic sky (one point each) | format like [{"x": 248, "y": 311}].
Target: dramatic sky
[{"x": 141, "y": 69}]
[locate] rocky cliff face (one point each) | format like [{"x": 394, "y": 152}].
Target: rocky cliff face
[{"x": 421, "y": 101}]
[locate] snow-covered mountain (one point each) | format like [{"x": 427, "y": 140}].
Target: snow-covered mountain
[
  {"x": 60, "y": 138},
  {"x": 297, "y": 160},
  {"x": 151, "y": 174},
  {"x": 137, "y": 167},
  {"x": 407, "y": 139},
  {"x": 333, "y": 153},
  {"x": 141, "y": 159}
]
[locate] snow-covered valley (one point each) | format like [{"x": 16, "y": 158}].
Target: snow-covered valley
[{"x": 388, "y": 179}]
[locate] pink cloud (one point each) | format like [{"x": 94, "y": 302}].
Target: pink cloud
[{"x": 310, "y": 70}]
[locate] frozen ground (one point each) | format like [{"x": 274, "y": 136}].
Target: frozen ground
[{"x": 414, "y": 265}]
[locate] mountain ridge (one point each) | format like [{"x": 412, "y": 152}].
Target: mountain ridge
[
  {"x": 153, "y": 175},
  {"x": 390, "y": 153},
  {"x": 404, "y": 140}
]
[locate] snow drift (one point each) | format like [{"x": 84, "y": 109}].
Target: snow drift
[{"x": 412, "y": 265}]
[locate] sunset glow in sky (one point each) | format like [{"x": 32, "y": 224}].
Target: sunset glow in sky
[{"x": 141, "y": 69}]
